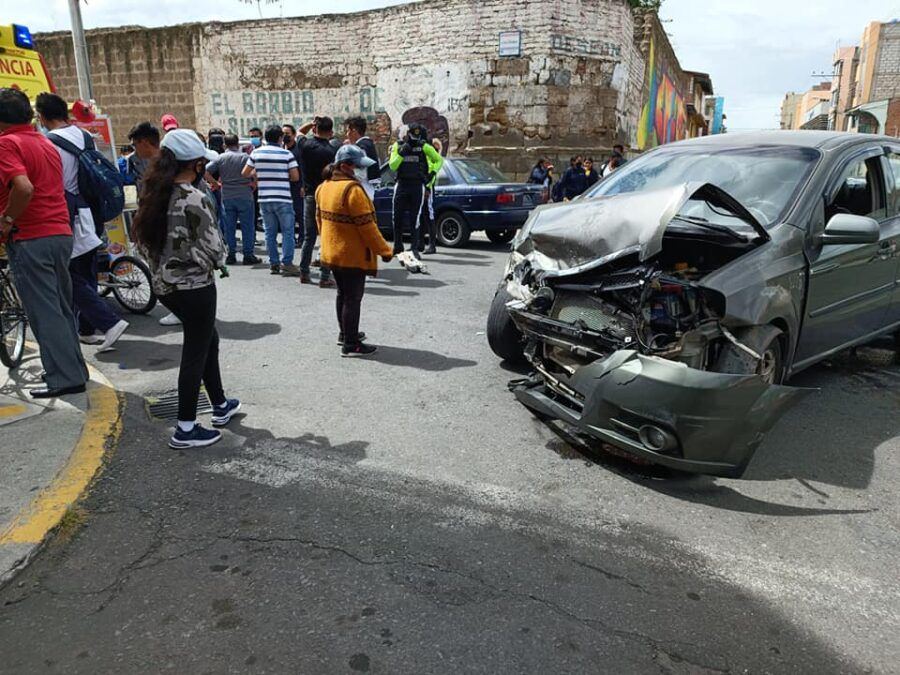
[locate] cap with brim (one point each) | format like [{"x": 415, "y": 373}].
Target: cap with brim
[
  {"x": 186, "y": 145},
  {"x": 169, "y": 122},
  {"x": 353, "y": 154}
]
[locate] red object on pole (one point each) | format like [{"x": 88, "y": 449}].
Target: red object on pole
[{"x": 83, "y": 112}]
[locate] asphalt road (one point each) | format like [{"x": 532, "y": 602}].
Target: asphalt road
[{"x": 404, "y": 514}]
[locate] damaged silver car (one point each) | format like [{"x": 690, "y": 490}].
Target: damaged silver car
[{"x": 663, "y": 311}]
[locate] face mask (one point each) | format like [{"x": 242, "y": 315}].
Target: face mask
[
  {"x": 255, "y": 141},
  {"x": 362, "y": 175}
]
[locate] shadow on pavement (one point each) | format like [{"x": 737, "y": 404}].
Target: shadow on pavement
[
  {"x": 418, "y": 358},
  {"x": 228, "y": 330},
  {"x": 400, "y": 277},
  {"x": 146, "y": 355},
  {"x": 384, "y": 289}
]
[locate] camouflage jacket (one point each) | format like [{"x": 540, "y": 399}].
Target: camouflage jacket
[{"x": 194, "y": 248}]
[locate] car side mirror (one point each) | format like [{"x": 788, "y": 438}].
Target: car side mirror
[{"x": 846, "y": 228}]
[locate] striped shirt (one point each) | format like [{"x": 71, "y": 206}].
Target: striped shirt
[{"x": 272, "y": 164}]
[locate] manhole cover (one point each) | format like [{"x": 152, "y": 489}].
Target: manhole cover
[{"x": 164, "y": 406}]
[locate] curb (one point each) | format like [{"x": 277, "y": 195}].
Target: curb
[{"x": 100, "y": 433}]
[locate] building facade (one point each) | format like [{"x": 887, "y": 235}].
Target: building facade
[
  {"x": 510, "y": 80},
  {"x": 876, "y": 101},
  {"x": 789, "y": 106},
  {"x": 843, "y": 85}
]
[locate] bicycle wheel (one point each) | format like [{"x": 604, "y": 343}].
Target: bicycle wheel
[
  {"x": 131, "y": 284},
  {"x": 12, "y": 325}
]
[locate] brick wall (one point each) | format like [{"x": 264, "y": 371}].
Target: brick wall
[
  {"x": 576, "y": 87},
  {"x": 137, "y": 74},
  {"x": 886, "y": 76}
]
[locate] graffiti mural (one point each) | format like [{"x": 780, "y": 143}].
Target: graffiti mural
[
  {"x": 663, "y": 117},
  {"x": 239, "y": 111},
  {"x": 431, "y": 119}
]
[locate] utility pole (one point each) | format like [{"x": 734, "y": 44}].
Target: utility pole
[{"x": 82, "y": 65}]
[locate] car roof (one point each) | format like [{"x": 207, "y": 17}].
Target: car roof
[{"x": 823, "y": 140}]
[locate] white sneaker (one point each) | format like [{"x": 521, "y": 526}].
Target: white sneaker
[
  {"x": 90, "y": 339},
  {"x": 112, "y": 336},
  {"x": 170, "y": 320}
]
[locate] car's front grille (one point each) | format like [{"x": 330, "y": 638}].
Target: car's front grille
[{"x": 594, "y": 313}]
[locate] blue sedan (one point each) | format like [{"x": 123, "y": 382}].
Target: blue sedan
[{"x": 469, "y": 195}]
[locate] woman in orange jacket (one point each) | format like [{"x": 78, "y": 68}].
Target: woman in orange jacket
[{"x": 350, "y": 241}]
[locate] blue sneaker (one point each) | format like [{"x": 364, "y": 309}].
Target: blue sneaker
[
  {"x": 222, "y": 414},
  {"x": 197, "y": 437}
]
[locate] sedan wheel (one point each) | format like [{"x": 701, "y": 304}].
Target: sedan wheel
[
  {"x": 452, "y": 230},
  {"x": 767, "y": 341},
  {"x": 501, "y": 236}
]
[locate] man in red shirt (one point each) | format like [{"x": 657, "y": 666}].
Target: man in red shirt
[{"x": 34, "y": 219}]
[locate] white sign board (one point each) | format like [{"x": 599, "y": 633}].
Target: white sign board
[{"x": 511, "y": 43}]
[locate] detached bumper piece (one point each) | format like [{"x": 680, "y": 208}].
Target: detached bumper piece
[{"x": 663, "y": 411}]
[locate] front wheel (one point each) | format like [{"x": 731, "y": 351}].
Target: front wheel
[
  {"x": 767, "y": 342},
  {"x": 452, "y": 230},
  {"x": 501, "y": 236},
  {"x": 12, "y": 326},
  {"x": 131, "y": 285},
  {"x": 504, "y": 338}
]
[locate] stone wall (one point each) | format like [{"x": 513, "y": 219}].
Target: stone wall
[
  {"x": 137, "y": 74},
  {"x": 577, "y": 87},
  {"x": 886, "y": 75}
]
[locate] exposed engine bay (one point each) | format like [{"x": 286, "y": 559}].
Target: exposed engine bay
[{"x": 656, "y": 307}]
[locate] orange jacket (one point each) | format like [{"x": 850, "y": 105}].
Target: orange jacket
[{"x": 345, "y": 217}]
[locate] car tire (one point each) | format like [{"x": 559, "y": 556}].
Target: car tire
[
  {"x": 452, "y": 229},
  {"x": 504, "y": 338},
  {"x": 501, "y": 236},
  {"x": 765, "y": 340}
]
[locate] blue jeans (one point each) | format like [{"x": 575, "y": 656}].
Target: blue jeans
[
  {"x": 279, "y": 217},
  {"x": 241, "y": 210},
  {"x": 309, "y": 238}
]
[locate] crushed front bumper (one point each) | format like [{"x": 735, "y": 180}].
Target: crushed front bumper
[{"x": 661, "y": 410}]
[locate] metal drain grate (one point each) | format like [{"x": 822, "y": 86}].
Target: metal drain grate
[{"x": 164, "y": 406}]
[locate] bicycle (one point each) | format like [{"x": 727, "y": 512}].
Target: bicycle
[
  {"x": 128, "y": 279},
  {"x": 13, "y": 321}
]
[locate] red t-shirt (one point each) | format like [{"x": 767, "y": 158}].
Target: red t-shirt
[{"x": 25, "y": 152}]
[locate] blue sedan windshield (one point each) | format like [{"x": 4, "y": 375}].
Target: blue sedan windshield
[{"x": 763, "y": 179}]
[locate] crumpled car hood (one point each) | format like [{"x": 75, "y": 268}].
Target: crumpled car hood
[{"x": 570, "y": 238}]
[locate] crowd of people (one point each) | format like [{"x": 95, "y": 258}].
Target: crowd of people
[
  {"x": 195, "y": 193},
  {"x": 581, "y": 174}
]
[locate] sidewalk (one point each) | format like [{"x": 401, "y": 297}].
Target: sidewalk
[{"x": 49, "y": 450}]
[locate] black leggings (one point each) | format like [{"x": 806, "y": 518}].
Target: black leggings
[
  {"x": 351, "y": 284},
  {"x": 200, "y": 352}
]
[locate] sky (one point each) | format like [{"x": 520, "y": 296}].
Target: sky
[{"x": 754, "y": 50}]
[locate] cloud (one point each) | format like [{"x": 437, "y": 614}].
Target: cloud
[{"x": 756, "y": 50}]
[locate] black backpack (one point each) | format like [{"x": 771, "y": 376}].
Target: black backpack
[{"x": 99, "y": 181}]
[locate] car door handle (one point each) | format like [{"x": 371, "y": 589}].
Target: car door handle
[{"x": 887, "y": 249}]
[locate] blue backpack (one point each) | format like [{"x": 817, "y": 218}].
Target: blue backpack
[{"x": 99, "y": 181}]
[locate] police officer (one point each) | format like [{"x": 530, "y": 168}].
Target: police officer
[{"x": 416, "y": 161}]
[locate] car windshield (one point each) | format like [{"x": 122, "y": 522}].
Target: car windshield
[
  {"x": 478, "y": 172},
  {"x": 763, "y": 179}
]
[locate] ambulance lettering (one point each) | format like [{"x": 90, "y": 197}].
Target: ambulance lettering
[{"x": 17, "y": 67}]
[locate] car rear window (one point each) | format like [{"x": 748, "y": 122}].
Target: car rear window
[
  {"x": 479, "y": 172},
  {"x": 764, "y": 178}
]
